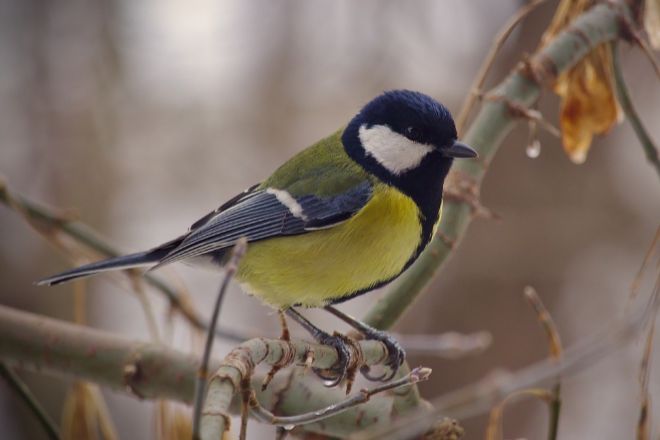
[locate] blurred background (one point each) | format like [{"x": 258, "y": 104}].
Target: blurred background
[{"x": 143, "y": 116}]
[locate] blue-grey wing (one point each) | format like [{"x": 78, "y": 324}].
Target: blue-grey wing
[{"x": 265, "y": 213}]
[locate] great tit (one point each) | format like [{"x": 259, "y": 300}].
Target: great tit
[{"x": 343, "y": 217}]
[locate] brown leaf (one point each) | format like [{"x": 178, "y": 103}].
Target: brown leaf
[
  {"x": 445, "y": 429},
  {"x": 588, "y": 100},
  {"x": 85, "y": 415},
  {"x": 494, "y": 426},
  {"x": 174, "y": 422}
]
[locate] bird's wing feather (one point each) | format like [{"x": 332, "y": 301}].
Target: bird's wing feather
[{"x": 266, "y": 212}]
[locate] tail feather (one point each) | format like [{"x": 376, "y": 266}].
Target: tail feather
[
  {"x": 139, "y": 259},
  {"x": 125, "y": 262}
]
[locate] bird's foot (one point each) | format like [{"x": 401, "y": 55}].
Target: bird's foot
[
  {"x": 348, "y": 358},
  {"x": 396, "y": 356},
  {"x": 346, "y": 365},
  {"x": 284, "y": 336}
]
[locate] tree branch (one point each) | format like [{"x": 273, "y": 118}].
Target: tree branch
[
  {"x": 200, "y": 385},
  {"x": 600, "y": 24},
  {"x": 555, "y": 348},
  {"x": 26, "y": 396},
  {"x": 477, "y": 398},
  {"x": 643, "y": 135},
  {"x": 487, "y": 64},
  {"x": 416, "y": 375},
  {"x": 240, "y": 363},
  {"x": 46, "y": 220},
  {"x": 152, "y": 371}
]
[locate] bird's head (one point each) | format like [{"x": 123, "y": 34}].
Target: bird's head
[{"x": 401, "y": 130}]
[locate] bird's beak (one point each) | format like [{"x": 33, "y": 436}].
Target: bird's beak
[{"x": 460, "y": 150}]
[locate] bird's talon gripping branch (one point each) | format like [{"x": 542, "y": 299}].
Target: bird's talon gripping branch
[
  {"x": 284, "y": 336},
  {"x": 396, "y": 355},
  {"x": 340, "y": 370},
  {"x": 365, "y": 370},
  {"x": 395, "y": 358},
  {"x": 348, "y": 359}
]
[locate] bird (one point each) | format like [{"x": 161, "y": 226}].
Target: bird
[{"x": 343, "y": 217}]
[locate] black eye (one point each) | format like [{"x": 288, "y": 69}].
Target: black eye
[{"x": 412, "y": 133}]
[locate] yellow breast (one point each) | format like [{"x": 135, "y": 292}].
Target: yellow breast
[{"x": 311, "y": 269}]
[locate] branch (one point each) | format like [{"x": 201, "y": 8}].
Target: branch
[
  {"x": 241, "y": 361},
  {"x": 643, "y": 135},
  {"x": 152, "y": 371},
  {"x": 451, "y": 345},
  {"x": 644, "y": 422},
  {"x": 200, "y": 385},
  {"x": 600, "y": 24},
  {"x": 555, "y": 348},
  {"x": 416, "y": 375},
  {"x": 26, "y": 396},
  {"x": 494, "y": 426},
  {"x": 46, "y": 220},
  {"x": 500, "y": 39},
  {"x": 479, "y": 397}
]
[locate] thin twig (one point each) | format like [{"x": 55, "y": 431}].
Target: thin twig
[
  {"x": 634, "y": 288},
  {"x": 200, "y": 386},
  {"x": 531, "y": 114},
  {"x": 546, "y": 321},
  {"x": 650, "y": 150},
  {"x": 147, "y": 308},
  {"x": 246, "y": 394},
  {"x": 488, "y": 62},
  {"x": 16, "y": 384},
  {"x": 600, "y": 24},
  {"x": 105, "y": 424},
  {"x": 649, "y": 54},
  {"x": 644, "y": 420},
  {"x": 242, "y": 360},
  {"x": 633, "y": 34},
  {"x": 79, "y": 302},
  {"x": 479, "y": 397},
  {"x": 555, "y": 346},
  {"x": 494, "y": 428},
  {"x": 40, "y": 217},
  {"x": 416, "y": 375},
  {"x": 450, "y": 345}
]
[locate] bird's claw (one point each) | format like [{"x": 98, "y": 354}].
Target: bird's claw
[
  {"x": 334, "y": 376},
  {"x": 395, "y": 358}
]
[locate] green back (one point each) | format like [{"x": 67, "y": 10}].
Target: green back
[{"x": 324, "y": 169}]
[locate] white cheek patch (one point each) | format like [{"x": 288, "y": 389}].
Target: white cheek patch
[
  {"x": 287, "y": 200},
  {"x": 393, "y": 151}
]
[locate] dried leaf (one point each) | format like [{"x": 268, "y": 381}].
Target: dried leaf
[
  {"x": 494, "y": 427},
  {"x": 652, "y": 22},
  {"x": 588, "y": 100},
  {"x": 174, "y": 422},
  {"x": 77, "y": 415},
  {"x": 589, "y": 105},
  {"x": 445, "y": 429},
  {"x": 85, "y": 415}
]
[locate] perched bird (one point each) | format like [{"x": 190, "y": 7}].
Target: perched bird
[{"x": 345, "y": 216}]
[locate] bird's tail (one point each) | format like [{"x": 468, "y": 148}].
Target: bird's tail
[
  {"x": 139, "y": 259},
  {"x": 125, "y": 262}
]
